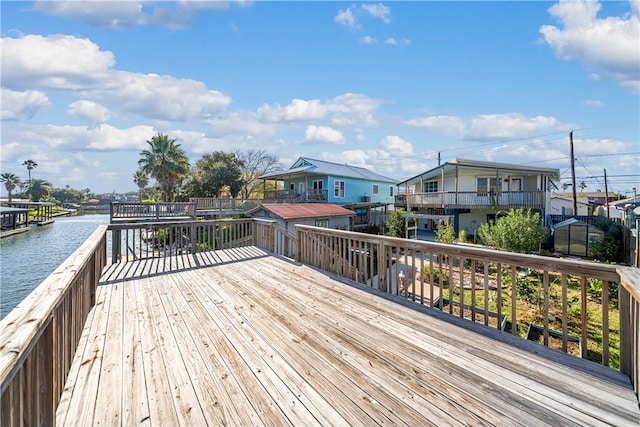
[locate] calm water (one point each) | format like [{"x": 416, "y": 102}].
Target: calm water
[{"x": 26, "y": 259}]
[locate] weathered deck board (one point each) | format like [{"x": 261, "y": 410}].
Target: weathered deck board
[{"x": 238, "y": 337}]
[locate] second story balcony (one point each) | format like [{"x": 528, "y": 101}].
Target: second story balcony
[
  {"x": 292, "y": 196},
  {"x": 472, "y": 200}
]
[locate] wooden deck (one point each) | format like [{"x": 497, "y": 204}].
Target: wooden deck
[{"x": 239, "y": 337}]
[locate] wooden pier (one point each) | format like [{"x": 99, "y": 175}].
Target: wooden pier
[{"x": 236, "y": 334}]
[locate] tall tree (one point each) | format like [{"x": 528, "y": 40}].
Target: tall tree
[
  {"x": 255, "y": 163},
  {"x": 166, "y": 162},
  {"x": 30, "y": 164},
  {"x": 213, "y": 172},
  {"x": 140, "y": 179},
  {"x": 39, "y": 189},
  {"x": 10, "y": 182}
]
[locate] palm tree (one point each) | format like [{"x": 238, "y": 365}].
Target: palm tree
[
  {"x": 10, "y": 181},
  {"x": 140, "y": 179},
  {"x": 166, "y": 162},
  {"x": 39, "y": 188},
  {"x": 30, "y": 164}
]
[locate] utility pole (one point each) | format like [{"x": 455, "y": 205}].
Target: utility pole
[
  {"x": 606, "y": 192},
  {"x": 438, "y": 158},
  {"x": 573, "y": 175}
]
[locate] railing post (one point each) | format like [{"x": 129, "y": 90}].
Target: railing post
[
  {"x": 115, "y": 245},
  {"x": 382, "y": 266},
  {"x": 298, "y": 256},
  {"x": 626, "y": 342},
  {"x": 194, "y": 237}
]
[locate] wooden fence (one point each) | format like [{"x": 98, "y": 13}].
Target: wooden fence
[{"x": 38, "y": 339}]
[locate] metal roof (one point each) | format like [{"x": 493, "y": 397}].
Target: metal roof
[
  {"x": 304, "y": 210},
  {"x": 476, "y": 164},
  {"x": 321, "y": 167}
]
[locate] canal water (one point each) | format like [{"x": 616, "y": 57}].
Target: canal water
[{"x": 26, "y": 259}]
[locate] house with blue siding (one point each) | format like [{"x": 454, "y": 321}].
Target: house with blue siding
[
  {"x": 317, "y": 181},
  {"x": 310, "y": 180}
]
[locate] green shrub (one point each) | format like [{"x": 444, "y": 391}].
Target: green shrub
[
  {"x": 445, "y": 233},
  {"x": 519, "y": 231},
  {"x": 438, "y": 275}
]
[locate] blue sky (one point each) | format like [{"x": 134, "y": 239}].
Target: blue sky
[{"x": 384, "y": 85}]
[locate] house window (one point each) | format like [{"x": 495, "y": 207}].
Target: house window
[
  {"x": 375, "y": 189},
  {"x": 431, "y": 187},
  {"x": 338, "y": 188},
  {"x": 391, "y": 191},
  {"x": 488, "y": 185},
  {"x": 317, "y": 185},
  {"x": 322, "y": 223}
]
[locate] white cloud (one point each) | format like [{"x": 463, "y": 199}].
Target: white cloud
[
  {"x": 82, "y": 138},
  {"x": 489, "y": 126},
  {"x": 611, "y": 45},
  {"x": 56, "y": 62},
  {"x": 160, "y": 97},
  {"x": 297, "y": 110},
  {"x": 367, "y": 40},
  {"x": 70, "y": 63},
  {"x": 22, "y": 105},
  {"x": 593, "y": 103},
  {"x": 378, "y": 11},
  {"x": 396, "y": 145},
  {"x": 131, "y": 13},
  {"x": 347, "y": 18},
  {"x": 90, "y": 111},
  {"x": 241, "y": 123},
  {"x": 509, "y": 126},
  {"x": 391, "y": 41},
  {"x": 443, "y": 125},
  {"x": 406, "y": 41},
  {"x": 353, "y": 109},
  {"x": 349, "y": 109},
  {"x": 323, "y": 134}
]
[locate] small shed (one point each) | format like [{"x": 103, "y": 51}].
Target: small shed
[{"x": 572, "y": 237}]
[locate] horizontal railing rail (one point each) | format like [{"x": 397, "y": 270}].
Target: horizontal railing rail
[
  {"x": 578, "y": 301},
  {"x": 38, "y": 338},
  {"x": 472, "y": 199},
  {"x": 151, "y": 211}
]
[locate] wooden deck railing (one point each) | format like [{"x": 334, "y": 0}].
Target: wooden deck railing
[
  {"x": 223, "y": 203},
  {"x": 473, "y": 199},
  {"x": 39, "y": 337},
  {"x": 294, "y": 196},
  {"x": 151, "y": 211},
  {"x": 574, "y": 300},
  {"x": 133, "y": 241}
]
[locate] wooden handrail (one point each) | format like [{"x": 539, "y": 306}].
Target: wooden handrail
[{"x": 39, "y": 337}]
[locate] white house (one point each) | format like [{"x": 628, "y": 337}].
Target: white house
[
  {"x": 561, "y": 205},
  {"x": 474, "y": 192}
]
